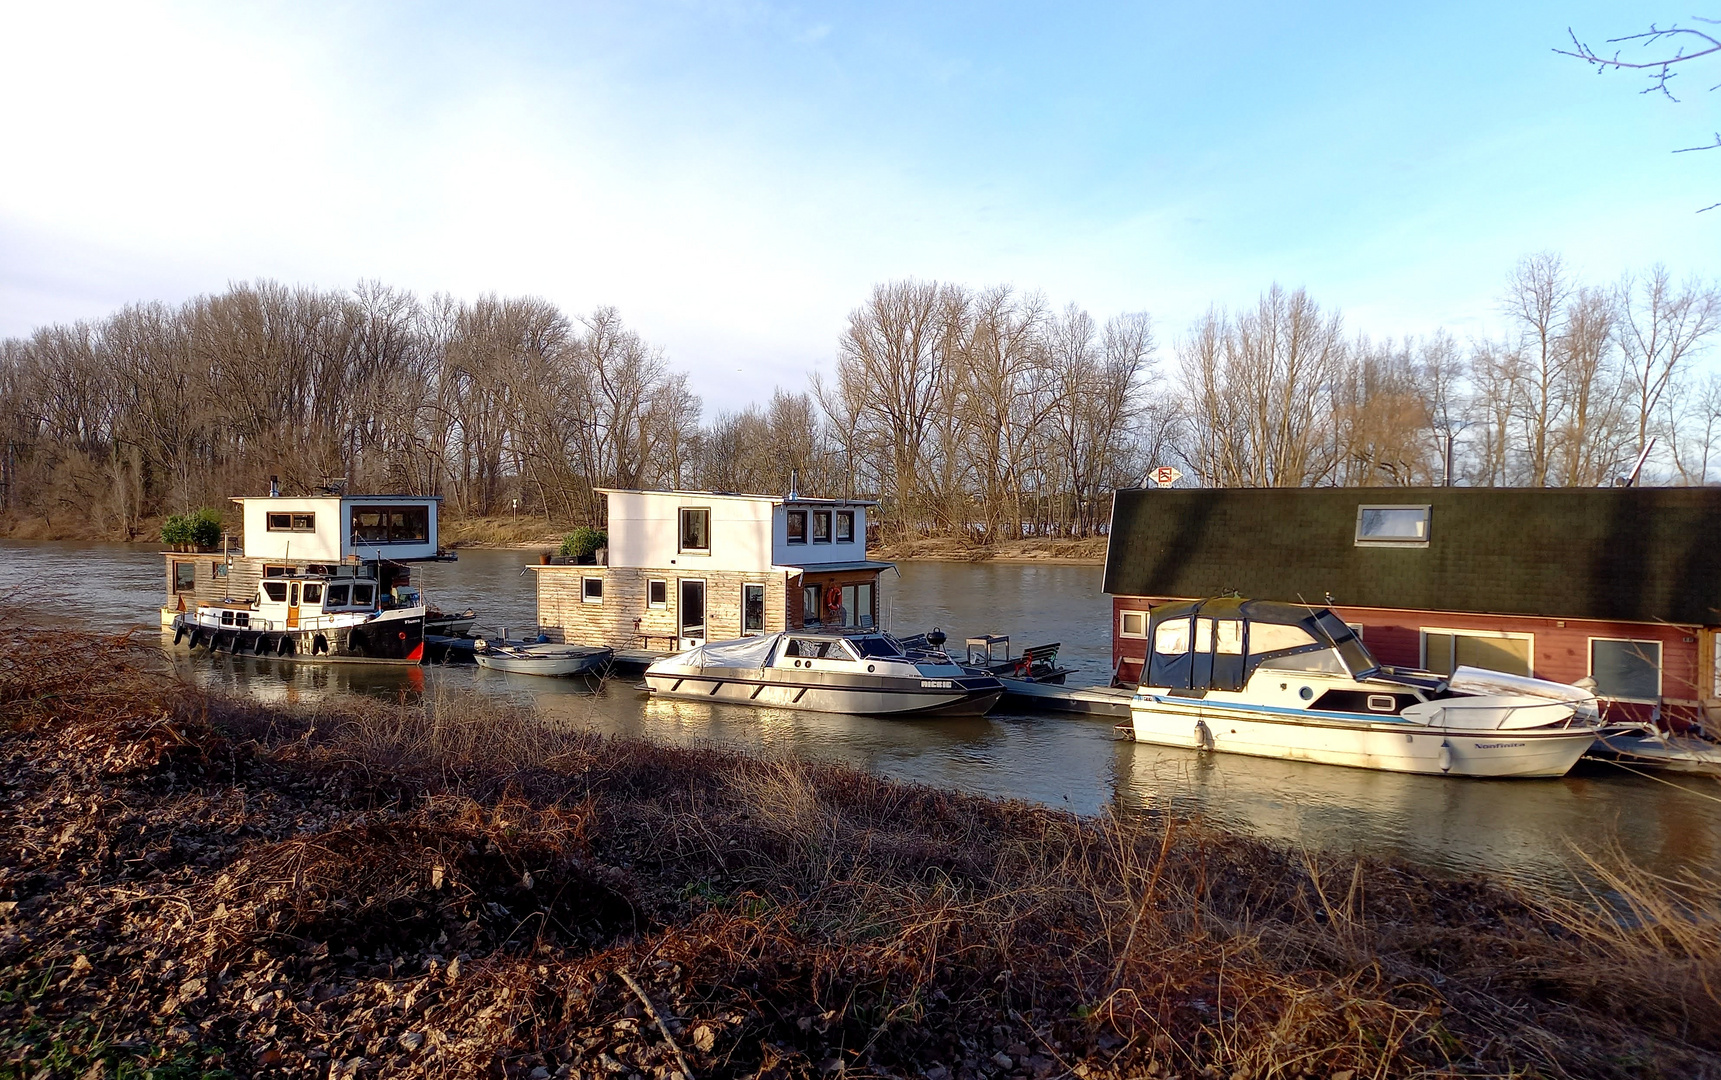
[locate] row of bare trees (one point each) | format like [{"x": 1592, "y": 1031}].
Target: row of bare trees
[{"x": 988, "y": 412}]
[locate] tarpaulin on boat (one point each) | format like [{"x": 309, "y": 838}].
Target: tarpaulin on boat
[{"x": 753, "y": 652}]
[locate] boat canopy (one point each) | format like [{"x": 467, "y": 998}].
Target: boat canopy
[
  {"x": 1218, "y": 644},
  {"x": 752, "y": 652}
]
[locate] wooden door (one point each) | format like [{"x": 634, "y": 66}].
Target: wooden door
[{"x": 292, "y": 605}]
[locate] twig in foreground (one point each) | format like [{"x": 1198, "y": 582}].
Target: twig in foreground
[{"x": 651, "y": 1011}]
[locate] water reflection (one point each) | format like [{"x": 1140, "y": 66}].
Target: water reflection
[{"x": 1521, "y": 828}]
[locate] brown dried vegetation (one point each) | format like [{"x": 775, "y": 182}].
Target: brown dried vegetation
[{"x": 196, "y": 885}]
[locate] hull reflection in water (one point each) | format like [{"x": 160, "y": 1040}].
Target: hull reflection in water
[{"x": 1530, "y": 833}]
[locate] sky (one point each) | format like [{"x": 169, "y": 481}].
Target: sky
[{"x": 735, "y": 177}]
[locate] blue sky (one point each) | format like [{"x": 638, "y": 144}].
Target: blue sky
[{"x": 735, "y": 176}]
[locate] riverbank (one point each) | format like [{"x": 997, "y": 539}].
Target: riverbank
[
  {"x": 1088, "y": 551},
  {"x": 458, "y": 889}
]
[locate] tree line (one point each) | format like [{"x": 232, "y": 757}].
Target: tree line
[{"x": 988, "y": 412}]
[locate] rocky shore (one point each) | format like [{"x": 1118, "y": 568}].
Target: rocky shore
[{"x": 193, "y": 885}]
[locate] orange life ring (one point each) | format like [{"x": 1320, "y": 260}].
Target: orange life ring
[{"x": 834, "y": 597}]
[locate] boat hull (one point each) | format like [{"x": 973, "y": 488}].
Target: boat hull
[
  {"x": 814, "y": 691},
  {"x": 1392, "y": 747},
  {"x": 548, "y": 666},
  {"x": 386, "y": 640}
]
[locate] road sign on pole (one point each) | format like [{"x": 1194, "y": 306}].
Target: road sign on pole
[{"x": 1165, "y": 476}]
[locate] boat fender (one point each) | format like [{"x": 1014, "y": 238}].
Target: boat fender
[
  {"x": 196, "y": 637},
  {"x": 1445, "y": 756},
  {"x": 319, "y": 644},
  {"x": 178, "y": 632},
  {"x": 1203, "y": 735},
  {"x": 284, "y": 647}
]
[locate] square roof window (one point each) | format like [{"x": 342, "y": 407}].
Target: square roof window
[{"x": 1392, "y": 526}]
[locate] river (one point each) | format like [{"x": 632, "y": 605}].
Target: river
[{"x": 1527, "y": 830}]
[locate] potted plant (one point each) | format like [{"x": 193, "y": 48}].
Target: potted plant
[{"x": 583, "y": 544}]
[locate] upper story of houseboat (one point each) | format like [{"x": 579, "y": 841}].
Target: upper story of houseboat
[
  {"x": 729, "y": 532},
  {"x": 340, "y": 528}
]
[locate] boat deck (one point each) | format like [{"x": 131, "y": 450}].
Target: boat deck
[{"x": 1051, "y": 697}]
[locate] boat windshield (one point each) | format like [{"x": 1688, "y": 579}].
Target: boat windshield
[
  {"x": 753, "y": 652},
  {"x": 1356, "y": 657},
  {"x": 874, "y": 645}
]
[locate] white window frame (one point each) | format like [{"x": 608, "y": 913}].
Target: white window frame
[
  {"x": 680, "y": 530},
  {"x": 1406, "y": 542},
  {"x": 764, "y": 614},
  {"x": 585, "y": 594},
  {"x": 1497, "y": 635},
  {"x": 1660, "y": 664},
  {"x": 663, "y": 604},
  {"x": 1124, "y": 615}
]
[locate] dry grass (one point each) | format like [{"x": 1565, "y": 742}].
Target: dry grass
[
  {"x": 457, "y": 889},
  {"x": 964, "y": 549},
  {"x": 503, "y": 532}
]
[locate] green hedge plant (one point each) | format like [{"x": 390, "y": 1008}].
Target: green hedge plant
[
  {"x": 199, "y": 529},
  {"x": 583, "y": 542}
]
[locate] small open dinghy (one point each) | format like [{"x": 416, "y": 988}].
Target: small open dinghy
[
  {"x": 1650, "y": 747},
  {"x": 865, "y": 674},
  {"x": 545, "y": 658}
]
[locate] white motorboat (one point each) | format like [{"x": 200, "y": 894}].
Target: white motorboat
[
  {"x": 543, "y": 658},
  {"x": 1282, "y": 681},
  {"x": 866, "y": 674}
]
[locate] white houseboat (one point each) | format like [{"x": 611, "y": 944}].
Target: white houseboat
[
  {"x": 687, "y": 567},
  {"x": 320, "y": 577}
]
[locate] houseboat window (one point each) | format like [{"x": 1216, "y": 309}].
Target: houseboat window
[
  {"x": 364, "y": 593},
  {"x": 275, "y": 590},
  {"x": 338, "y": 594},
  {"x": 184, "y": 577},
  {"x": 695, "y": 530},
  {"x": 797, "y": 526},
  {"x": 313, "y": 592},
  {"x": 1445, "y": 651},
  {"x": 217, "y": 569},
  {"x": 811, "y": 612},
  {"x": 591, "y": 590},
  {"x": 277, "y": 571},
  {"x": 1132, "y": 624},
  {"x": 821, "y": 526},
  {"x": 752, "y": 609},
  {"x": 657, "y": 593},
  {"x": 1626, "y": 669},
  {"x": 290, "y": 522},
  {"x": 1392, "y": 526},
  {"x": 845, "y": 526},
  {"x": 391, "y": 524}
]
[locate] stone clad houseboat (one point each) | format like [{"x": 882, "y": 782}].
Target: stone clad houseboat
[
  {"x": 1615, "y": 588},
  {"x": 686, "y": 567}
]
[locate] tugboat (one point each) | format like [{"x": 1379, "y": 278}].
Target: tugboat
[{"x": 309, "y": 616}]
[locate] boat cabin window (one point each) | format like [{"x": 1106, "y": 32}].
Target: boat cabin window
[
  {"x": 290, "y": 522},
  {"x": 1355, "y": 656},
  {"x": 797, "y": 522},
  {"x": 391, "y": 524},
  {"x": 184, "y": 577},
  {"x": 1315, "y": 661},
  {"x": 812, "y": 609},
  {"x": 313, "y": 592},
  {"x": 364, "y": 593},
  {"x": 821, "y": 526},
  {"x": 275, "y": 590},
  {"x": 845, "y": 526},
  {"x": 875, "y": 646},
  {"x": 338, "y": 593}
]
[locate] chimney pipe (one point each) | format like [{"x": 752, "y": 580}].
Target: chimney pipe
[{"x": 274, "y": 487}]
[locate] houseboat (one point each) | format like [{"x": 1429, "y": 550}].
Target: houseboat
[
  {"x": 318, "y": 578},
  {"x": 686, "y": 567},
  {"x": 1617, "y": 590}
]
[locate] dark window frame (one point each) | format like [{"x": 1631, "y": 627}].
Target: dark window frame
[
  {"x": 818, "y": 517},
  {"x": 681, "y": 519},
  {"x": 746, "y": 629},
  {"x": 184, "y": 582},
  {"x": 789, "y": 527},
  {"x": 293, "y": 519},
  {"x": 843, "y": 527}
]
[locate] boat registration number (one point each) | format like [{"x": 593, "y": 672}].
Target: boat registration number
[{"x": 935, "y": 684}]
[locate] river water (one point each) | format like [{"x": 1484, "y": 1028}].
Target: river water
[{"x": 1525, "y": 829}]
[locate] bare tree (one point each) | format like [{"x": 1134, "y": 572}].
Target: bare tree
[{"x": 1660, "y": 326}]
